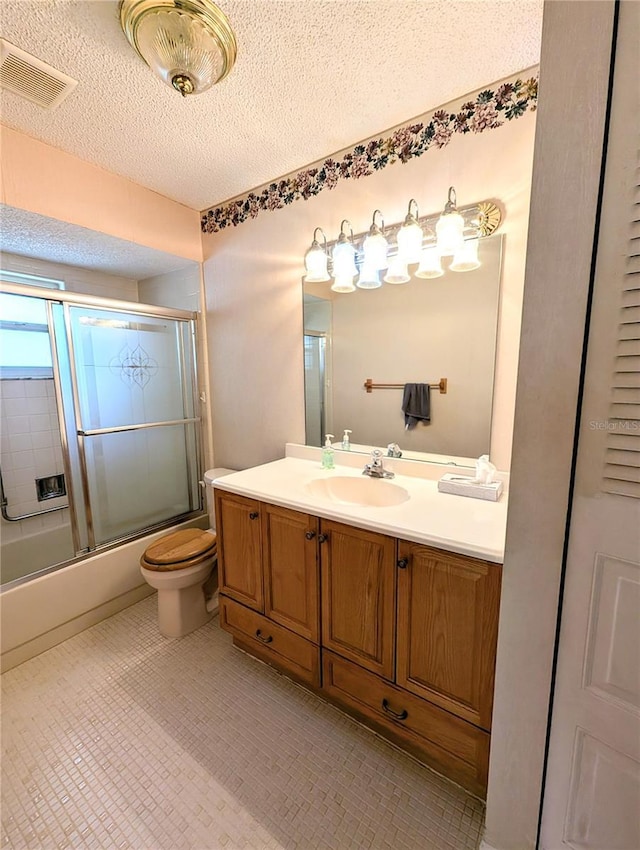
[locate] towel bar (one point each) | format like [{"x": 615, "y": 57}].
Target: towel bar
[{"x": 370, "y": 386}]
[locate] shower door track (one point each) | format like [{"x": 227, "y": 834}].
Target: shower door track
[
  {"x": 96, "y": 432},
  {"x": 64, "y": 296}
]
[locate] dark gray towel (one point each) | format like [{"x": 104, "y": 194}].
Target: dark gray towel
[{"x": 416, "y": 404}]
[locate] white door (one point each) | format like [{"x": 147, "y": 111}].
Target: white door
[{"x": 592, "y": 794}]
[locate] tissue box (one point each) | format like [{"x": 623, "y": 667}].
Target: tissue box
[{"x": 468, "y": 487}]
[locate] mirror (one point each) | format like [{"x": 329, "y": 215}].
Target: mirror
[{"x": 419, "y": 332}]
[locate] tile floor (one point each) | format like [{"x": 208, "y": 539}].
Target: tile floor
[{"x": 120, "y": 738}]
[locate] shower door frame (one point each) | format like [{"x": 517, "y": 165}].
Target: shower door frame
[{"x": 66, "y": 298}]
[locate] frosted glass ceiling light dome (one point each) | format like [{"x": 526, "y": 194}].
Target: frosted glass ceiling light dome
[
  {"x": 189, "y": 44},
  {"x": 466, "y": 257},
  {"x": 430, "y": 265},
  {"x": 375, "y": 246},
  {"x": 410, "y": 237},
  {"x": 450, "y": 227},
  {"x": 316, "y": 260},
  {"x": 344, "y": 254}
]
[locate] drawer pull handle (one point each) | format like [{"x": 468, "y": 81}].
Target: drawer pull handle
[
  {"x": 402, "y": 715},
  {"x": 322, "y": 538},
  {"x": 403, "y": 563},
  {"x": 263, "y": 638},
  {"x": 310, "y": 535},
  {"x": 254, "y": 515}
]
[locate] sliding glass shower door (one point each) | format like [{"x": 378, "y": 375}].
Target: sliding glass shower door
[
  {"x": 136, "y": 421},
  {"x": 122, "y": 388},
  {"x": 34, "y": 483}
]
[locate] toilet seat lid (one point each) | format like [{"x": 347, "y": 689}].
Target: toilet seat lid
[{"x": 179, "y": 546}]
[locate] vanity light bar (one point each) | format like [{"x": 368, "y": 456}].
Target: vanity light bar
[
  {"x": 483, "y": 218},
  {"x": 479, "y": 220}
]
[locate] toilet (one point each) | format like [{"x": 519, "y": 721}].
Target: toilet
[{"x": 180, "y": 566}]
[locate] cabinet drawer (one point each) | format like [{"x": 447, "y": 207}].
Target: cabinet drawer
[
  {"x": 450, "y": 745},
  {"x": 270, "y": 642}
]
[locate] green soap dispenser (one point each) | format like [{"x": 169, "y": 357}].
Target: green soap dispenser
[
  {"x": 328, "y": 453},
  {"x": 346, "y": 440}
]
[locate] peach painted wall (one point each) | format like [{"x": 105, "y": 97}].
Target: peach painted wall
[
  {"x": 253, "y": 286},
  {"x": 50, "y": 182}
]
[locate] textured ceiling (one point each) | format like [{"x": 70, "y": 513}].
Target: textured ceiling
[
  {"x": 31, "y": 235},
  {"x": 312, "y": 77}
]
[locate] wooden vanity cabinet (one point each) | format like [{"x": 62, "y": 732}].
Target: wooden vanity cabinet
[
  {"x": 239, "y": 549},
  {"x": 400, "y": 635},
  {"x": 452, "y": 746},
  {"x": 433, "y": 695},
  {"x": 290, "y": 570},
  {"x": 447, "y": 630},
  {"x": 359, "y": 596},
  {"x": 269, "y": 583}
]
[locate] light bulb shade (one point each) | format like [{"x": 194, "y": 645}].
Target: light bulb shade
[
  {"x": 369, "y": 278},
  {"x": 397, "y": 272},
  {"x": 344, "y": 259},
  {"x": 375, "y": 248},
  {"x": 410, "y": 238},
  {"x": 449, "y": 233},
  {"x": 430, "y": 265},
  {"x": 315, "y": 263},
  {"x": 466, "y": 257},
  {"x": 343, "y": 283},
  {"x": 189, "y": 44}
]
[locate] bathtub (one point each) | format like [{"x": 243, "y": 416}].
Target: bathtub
[
  {"x": 49, "y": 608},
  {"x": 35, "y": 552}
]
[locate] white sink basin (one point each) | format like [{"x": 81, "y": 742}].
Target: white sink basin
[{"x": 367, "y": 492}]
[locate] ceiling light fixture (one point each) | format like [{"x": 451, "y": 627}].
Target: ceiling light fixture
[{"x": 189, "y": 44}]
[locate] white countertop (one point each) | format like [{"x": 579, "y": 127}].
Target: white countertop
[{"x": 455, "y": 523}]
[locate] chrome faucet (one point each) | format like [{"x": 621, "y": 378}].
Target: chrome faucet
[
  {"x": 393, "y": 450},
  {"x": 375, "y": 469}
]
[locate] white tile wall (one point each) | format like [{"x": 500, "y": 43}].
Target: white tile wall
[{"x": 30, "y": 449}]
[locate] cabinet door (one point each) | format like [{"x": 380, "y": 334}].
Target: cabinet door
[
  {"x": 291, "y": 577},
  {"x": 239, "y": 549},
  {"x": 447, "y": 629},
  {"x": 358, "y": 595}
]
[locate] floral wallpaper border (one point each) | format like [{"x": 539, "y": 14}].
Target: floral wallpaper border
[{"x": 489, "y": 110}]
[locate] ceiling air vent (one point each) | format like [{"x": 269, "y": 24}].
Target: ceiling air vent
[{"x": 32, "y": 78}]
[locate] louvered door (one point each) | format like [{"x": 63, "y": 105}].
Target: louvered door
[
  {"x": 592, "y": 796},
  {"x": 622, "y": 451}
]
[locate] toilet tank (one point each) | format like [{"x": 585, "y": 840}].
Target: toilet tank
[{"x": 209, "y": 477}]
